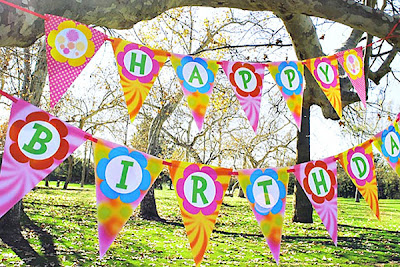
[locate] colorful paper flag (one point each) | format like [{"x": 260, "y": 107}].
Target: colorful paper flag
[
  {"x": 352, "y": 62},
  {"x": 200, "y": 190},
  {"x": 289, "y": 76},
  {"x": 318, "y": 180},
  {"x": 325, "y": 72},
  {"x": 266, "y": 191},
  {"x": 138, "y": 67},
  {"x": 388, "y": 144},
  {"x": 70, "y": 46},
  {"x": 123, "y": 177},
  {"x": 247, "y": 83},
  {"x": 358, "y": 163},
  {"x": 36, "y": 144},
  {"x": 196, "y": 76}
]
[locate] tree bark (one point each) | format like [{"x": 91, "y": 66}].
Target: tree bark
[
  {"x": 302, "y": 207},
  {"x": 69, "y": 174},
  {"x": 21, "y": 29},
  {"x": 83, "y": 174}
]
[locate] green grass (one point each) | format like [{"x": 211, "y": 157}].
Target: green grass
[{"x": 69, "y": 216}]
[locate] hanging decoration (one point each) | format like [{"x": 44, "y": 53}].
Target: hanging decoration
[
  {"x": 266, "y": 192},
  {"x": 358, "y": 163},
  {"x": 123, "y": 177},
  {"x": 247, "y": 83},
  {"x": 352, "y": 62},
  {"x": 388, "y": 144},
  {"x": 289, "y": 76},
  {"x": 318, "y": 180},
  {"x": 197, "y": 76},
  {"x": 138, "y": 67},
  {"x": 70, "y": 46},
  {"x": 199, "y": 190},
  {"x": 36, "y": 144},
  {"x": 326, "y": 73}
]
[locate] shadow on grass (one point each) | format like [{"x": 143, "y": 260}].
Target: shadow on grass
[{"x": 366, "y": 245}]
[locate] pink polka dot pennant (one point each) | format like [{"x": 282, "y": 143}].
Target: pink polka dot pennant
[{"x": 70, "y": 46}]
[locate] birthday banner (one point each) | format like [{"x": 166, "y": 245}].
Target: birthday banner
[
  {"x": 71, "y": 45},
  {"x": 38, "y": 142}
]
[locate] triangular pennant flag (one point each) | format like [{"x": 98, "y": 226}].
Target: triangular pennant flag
[
  {"x": 247, "y": 82},
  {"x": 200, "y": 190},
  {"x": 70, "y": 46},
  {"x": 352, "y": 62},
  {"x": 358, "y": 163},
  {"x": 318, "y": 180},
  {"x": 123, "y": 177},
  {"x": 36, "y": 144},
  {"x": 289, "y": 76},
  {"x": 138, "y": 67},
  {"x": 325, "y": 72},
  {"x": 196, "y": 76},
  {"x": 266, "y": 192},
  {"x": 388, "y": 144}
]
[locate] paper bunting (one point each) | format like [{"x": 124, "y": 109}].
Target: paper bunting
[
  {"x": 388, "y": 144},
  {"x": 138, "y": 67},
  {"x": 318, "y": 180},
  {"x": 247, "y": 82},
  {"x": 69, "y": 48},
  {"x": 36, "y": 144},
  {"x": 196, "y": 76},
  {"x": 358, "y": 163},
  {"x": 325, "y": 72},
  {"x": 266, "y": 192},
  {"x": 352, "y": 62},
  {"x": 289, "y": 76},
  {"x": 123, "y": 177},
  {"x": 200, "y": 190}
]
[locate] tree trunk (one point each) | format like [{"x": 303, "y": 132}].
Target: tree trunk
[
  {"x": 83, "y": 176},
  {"x": 69, "y": 175},
  {"x": 46, "y": 181},
  {"x": 302, "y": 207},
  {"x": 357, "y": 196}
]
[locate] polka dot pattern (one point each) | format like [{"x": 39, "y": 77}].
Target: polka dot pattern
[{"x": 62, "y": 74}]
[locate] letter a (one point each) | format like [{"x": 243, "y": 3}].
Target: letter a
[
  {"x": 393, "y": 145},
  {"x": 195, "y": 75}
]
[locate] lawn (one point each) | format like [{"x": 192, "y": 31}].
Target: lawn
[{"x": 68, "y": 218}]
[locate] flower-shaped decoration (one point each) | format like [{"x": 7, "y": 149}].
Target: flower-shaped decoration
[
  {"x": 287, "y": 69},
  {"x": 328, "y": 183},
  {"x": 147, "y": 71},
  {"x": 212, "y": 184},
  {"x": 361, "y": 162},
  {"x": 352, "y": 64},
  {"x": 46, "y": 144},
  {"x": 324, "y": 72},
  {"x": 390, "y": 144},
  {"x": 195, "y": 69},
  {"x": 123, "y": 174},
  {"x": 242, "y": 91},
  {"x": 71, "y": 43},
  {"x": 265, "y": 198}
]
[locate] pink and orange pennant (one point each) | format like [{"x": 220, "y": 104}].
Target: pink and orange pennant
[
  {"x": 200, "y": 190},
  {"x": 326, "y": 73},
  {"x": 289, "y": 76},
  {"x": 358, "y": 163},
  {"x": 352, "y": 62},
  {"x": 266, "y": 192},
  {"x": 318, "y": 180},
  {"x": 138, "y": 67},
  {"x": 123, "y": 177},
  {"x": 247, "y": 83},
  {"x": 196, "y": 76},
  {"x": 36, "y": 144},
  {"x": 70, "y": 46}
]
